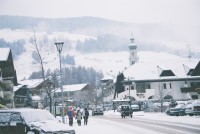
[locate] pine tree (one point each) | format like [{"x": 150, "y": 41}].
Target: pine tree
[{"x": 119, "y": 85}]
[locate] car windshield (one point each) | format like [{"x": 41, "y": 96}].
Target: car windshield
[
  {"x": 125, "y": 107},
  {"x": 4, "y": 118}
]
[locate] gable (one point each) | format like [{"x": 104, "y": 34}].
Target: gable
[
  {"x": 167, "y": 73},
  {"x": 190, "y": 72},
  {"x": 4, "y": 53},
  {"x": 196, "y": 71},
  {"x": 22, "y": 91},
  {"x": 7, "y": 65}
]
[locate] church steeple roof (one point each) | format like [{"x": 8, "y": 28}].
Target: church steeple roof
[{"x": 132, "y": 45}]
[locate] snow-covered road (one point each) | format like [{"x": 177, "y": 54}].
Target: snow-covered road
[{"x": 141, "y": 123}]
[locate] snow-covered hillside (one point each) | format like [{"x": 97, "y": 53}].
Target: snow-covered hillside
[{"x": 110, "y": 63}]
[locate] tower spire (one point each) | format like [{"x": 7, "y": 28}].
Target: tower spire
[
  {"x": 189, "y": 52},
  {"x": 133, "y": 51},
  {"x": 132, "y": 39}
]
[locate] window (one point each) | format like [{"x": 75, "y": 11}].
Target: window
[
  {"x": 164, "y": 86},
  {"x": 170, "y": 85},
  {"x": 132, "y": 87},
  {"x": 194, "y": 97},
  {"x": 149, "y": 86},
  {"x": 141, "y": 87}
]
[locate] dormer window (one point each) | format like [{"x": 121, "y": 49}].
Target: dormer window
[{"x": 167, "y": 73}]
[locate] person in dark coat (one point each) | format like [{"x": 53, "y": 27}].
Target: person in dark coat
[{"x": 85, "y": 115}]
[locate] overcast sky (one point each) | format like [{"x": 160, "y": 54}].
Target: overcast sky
[{"x": 173, "y": 11}]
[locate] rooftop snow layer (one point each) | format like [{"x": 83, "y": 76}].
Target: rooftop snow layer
[
  {"x": 4, "y": 53},
  {"x": 74, "y": 87},
  {"x": 151, "y": 70}
]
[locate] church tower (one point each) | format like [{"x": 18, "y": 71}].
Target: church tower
[{"x": 133, "y": 52}]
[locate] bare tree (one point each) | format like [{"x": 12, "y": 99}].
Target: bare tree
[
  {"x": 162, "y": 93},
  {"x": 47, "y": 85}
]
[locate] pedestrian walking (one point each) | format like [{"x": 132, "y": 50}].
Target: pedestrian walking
[
  {"x": 71, "y": 115},
  {"x": 85, "y": 115},
  {"x": 78, "y": 117}
]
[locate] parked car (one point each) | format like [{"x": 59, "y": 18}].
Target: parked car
[
  {"x": 193, "y": 108},
  {"x": 97, "y": 111},
  {"x": 107, "y": 106},
  {"x": 188, "y": 109},
  {"x": 30, "y": 121},
  {"x": 177, "y": 110},
  {"x": 135, "y": 108}
]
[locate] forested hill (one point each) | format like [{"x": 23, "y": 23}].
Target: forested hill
[
  {"x": 61, "y": 24},
  {"x": 83, "y": 25},
  {"x": 110, "y": 35}
]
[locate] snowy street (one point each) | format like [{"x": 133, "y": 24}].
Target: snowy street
[{"x": 141, "y": 123}]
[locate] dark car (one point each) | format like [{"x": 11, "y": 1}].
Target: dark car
[
  {"x": 31, "y": 121},
  {"x": 178, "y": 110},
  {"x": 97, "y": 111},
  {"x": 125, "y": 110}
]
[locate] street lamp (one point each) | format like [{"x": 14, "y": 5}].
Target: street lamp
[{"x": 59, "y": 46}]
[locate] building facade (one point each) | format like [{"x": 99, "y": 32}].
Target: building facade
[
  {"x": 8, "y": 77},
  {"x": 168, "y": 78},
  {"x": 75, "y": 94}
]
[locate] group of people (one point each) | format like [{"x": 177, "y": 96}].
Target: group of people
[{"x": 78, "y": 115}]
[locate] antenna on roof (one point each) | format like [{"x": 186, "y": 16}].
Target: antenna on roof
[{"x": 189, "y": 52}]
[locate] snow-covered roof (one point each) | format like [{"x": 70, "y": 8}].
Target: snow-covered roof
[
  {"x": 152, "y": 70},
  {"x": 107, "y": 77},
  {"x": 72, "y": 88},
  {"x": 36, "y": 97},
  {"x": 17, "y": 87},
  {"x": 4, "y": 53},
  {"x": 132, "y": 46},
  {"x": 31, "y": 83}
]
